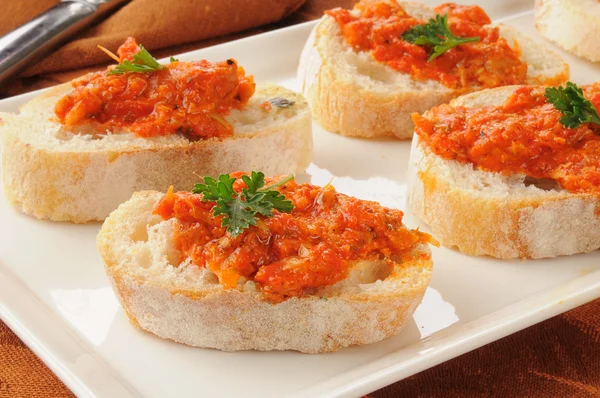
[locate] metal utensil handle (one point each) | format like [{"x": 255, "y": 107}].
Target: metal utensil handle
[{"x": 36, "y": 37}]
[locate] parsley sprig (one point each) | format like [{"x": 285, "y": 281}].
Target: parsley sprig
[
  {"x": 240, "y": 210},
  {"x": 142, "y": 62},
  {"x": 574, "y": 106},
  {"x": 437, "y": 34}
]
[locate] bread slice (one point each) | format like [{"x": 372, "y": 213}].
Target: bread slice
[
  {"x": 53, "y": 174},
  {"x": 571, "y": 24},
  {"x": 487, "y": 213},
  {"x": 352, "y": 94},
  {"x": 186, "y": 303}
]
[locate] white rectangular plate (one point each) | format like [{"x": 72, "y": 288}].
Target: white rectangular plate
[{"x": 55, "y": 296}]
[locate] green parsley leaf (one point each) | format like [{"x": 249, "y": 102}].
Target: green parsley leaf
[
  {"x": 437, "y": 35},
  {"x": 256, "y": 181},
  {"x": 143, "y": 62},
  {"x": 278, "y": 201},
  {"x": 173, "y": 59},
  {"x": 574, "y": 106},
  {"x": 238, "y": 215},
  {"x": 240, "y": 210}
]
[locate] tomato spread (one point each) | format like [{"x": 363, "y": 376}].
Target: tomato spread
[
  {"x": 377, "y": 27},
  {"x": 290, "y": 254},
  {"x": 523, "y": 135},
  {"x": 188, "y": 98}
]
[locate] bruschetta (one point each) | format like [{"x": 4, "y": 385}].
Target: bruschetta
[
  {"x": 79, "y": 150},
  {"x": 570, "y": 24},
  {"x": 365, "y": 71},
  {"x": 244, "y": 262},
  {"x": 511, "y": 172}
]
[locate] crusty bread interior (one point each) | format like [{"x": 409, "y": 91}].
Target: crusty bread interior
[
  {"x": 353, "y": 94},
  {"x": 571, "y": 24},
  {"x": 64, "y": 175},
  {"x": 488, "y": 213},
  {"x": 183, "y": 302}
]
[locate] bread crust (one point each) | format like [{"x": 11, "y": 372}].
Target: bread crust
[
  {"x": 485, "y": 213},
  {"x": 82, "y": 184},
  {"x": 232, "y": 319},
  {"x": 350, "y": 102},
  {"x": 570, "y": 24}
]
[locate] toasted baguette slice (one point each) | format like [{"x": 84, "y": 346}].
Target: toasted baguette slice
[
  {"x": 53, "y": 174},
  {"x": 571, "y": 24},
  {"x": 352, "y": 94},
  {"x": 186, "y": 303},
  {"x": 487, "y": 213}
]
